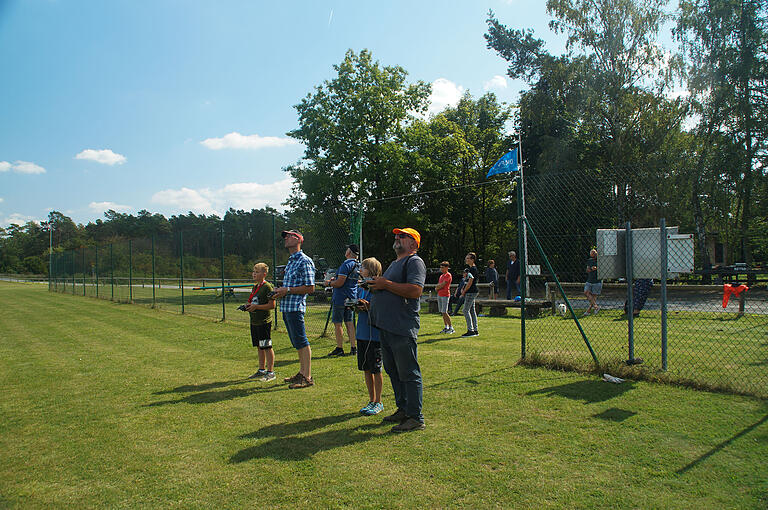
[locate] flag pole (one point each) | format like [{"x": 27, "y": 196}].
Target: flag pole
[{"x": 522, "y": 197}]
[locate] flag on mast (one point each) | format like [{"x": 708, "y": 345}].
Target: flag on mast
[{"x": 506, "y": 164}]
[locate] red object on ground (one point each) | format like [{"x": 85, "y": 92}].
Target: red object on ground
[{"x": 729, "y": 289}]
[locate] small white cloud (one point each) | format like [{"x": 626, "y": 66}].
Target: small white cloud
[
  {"x": 2, "y": 200},
  {"x": 101, "y": 207},
  {"x": 241, "y": 195},
  {"x": 497, "y": 82},
  {"x": 235, "y": 140},
  {"x": 103, "y": 156},
  {"x": 17, "y": 219},
  {"x": 185, "y": 199},
  {"x": 21, "y": 167},
  {"x": 444, "y": 93}
]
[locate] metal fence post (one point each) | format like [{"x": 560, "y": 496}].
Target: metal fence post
[
  {"x": 630, "y": 299},
  {"x": 74, "y": 254},
  {"x": 181, "y": 267},
  {"x": 223, "y": 307},
  {"x": 664, "y": 276},
  {"x": 153, "y": 272},
  {"x": 523, "y": 261},
  {"x": 112, "y": 271},
  {"x": 83, "y": 268},
  {"x": 130, "y": 270},
  {"x": 97, "y": 271},
  {"x": 274, "y": 264}
]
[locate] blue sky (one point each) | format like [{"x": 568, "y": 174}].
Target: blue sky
[{"x": 173, "y": 106}]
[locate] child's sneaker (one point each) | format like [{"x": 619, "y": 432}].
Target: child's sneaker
[
  {"x": 268, "y": 376},
  {"x": 450, "y": 330},
  {"x": 366, "y": 408},
  {"x": 376, "y": 408},
  {"x": 259, "y": 374}
]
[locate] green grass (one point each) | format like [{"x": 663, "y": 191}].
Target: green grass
[{"x": 111, "y": 405}]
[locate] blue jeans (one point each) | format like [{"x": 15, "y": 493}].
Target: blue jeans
[
  {"x": 509, "y": 289},
  {"x": 399, "y": 354},
  {"x": 294, "y": 325}
]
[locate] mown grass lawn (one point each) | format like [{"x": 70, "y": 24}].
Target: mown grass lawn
[{"x": 108, "y": 405}]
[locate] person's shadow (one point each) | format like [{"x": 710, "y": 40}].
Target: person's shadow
[
  {"x": 286, "y": 444},
  {"x": 590, "y": 391}
]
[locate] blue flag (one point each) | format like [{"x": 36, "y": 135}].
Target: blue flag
[{"x": 507, "y": 163}]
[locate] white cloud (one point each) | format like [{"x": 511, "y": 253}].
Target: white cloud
[
  {"x": 497, "y": 82},
  {"x": 21, "y": 167},
  {"x": 444, "y": 93},
  {"x": 242, "y": 195},
  {"x": 235, "y": 140},
  {"x": 2, "y": 200},
  {"x": 101, "y": 207},
  {"x": 103, "y": 156},
  {"x": 18, "y": 219}
]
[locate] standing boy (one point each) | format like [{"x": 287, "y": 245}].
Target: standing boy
[
  {"x": 259, "y": 306},
  {"x": 369, "y": 352}
]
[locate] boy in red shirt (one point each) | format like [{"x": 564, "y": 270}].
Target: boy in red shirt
[{"x": 444, "y": 295}]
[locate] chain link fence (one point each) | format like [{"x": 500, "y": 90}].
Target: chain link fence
[
  {"x": 677, "y": 328},
  {"x": 641, "y": 324},
  {"x": 207, "y": 273}
]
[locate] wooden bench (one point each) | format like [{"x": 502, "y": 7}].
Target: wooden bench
[{"x": 498, "y": 307}]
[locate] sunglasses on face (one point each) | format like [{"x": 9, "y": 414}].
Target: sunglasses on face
[{"x": 402, "y": 236}]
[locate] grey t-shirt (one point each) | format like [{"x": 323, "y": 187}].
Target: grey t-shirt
[{"x": 394, "y": 313}]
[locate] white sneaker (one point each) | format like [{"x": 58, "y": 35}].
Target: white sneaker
[
  {"x": 450, "y": 330},
  {"x": 444, "y": 330}
]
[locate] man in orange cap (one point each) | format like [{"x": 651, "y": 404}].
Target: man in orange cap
[{"x": 395, "y": 312}]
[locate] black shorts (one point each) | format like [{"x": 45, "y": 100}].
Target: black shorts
[
  {"x": 261, "y": 335},
  {"x": 369, "y": 356}
]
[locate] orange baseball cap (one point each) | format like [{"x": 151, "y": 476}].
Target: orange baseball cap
[{"x": 410, "y": 231}]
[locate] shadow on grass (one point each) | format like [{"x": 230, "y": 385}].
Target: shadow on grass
[
  {"x": 286, "y": 445},
  {"x": 188, "y": 388},
  {"x": 722, "y": 445},
  {"x": 210, "y": 397},
  {"x": 473, "y": 378},
  {"x": 590, "y": 391}
]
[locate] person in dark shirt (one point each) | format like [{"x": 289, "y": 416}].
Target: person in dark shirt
[
  {"x": 593, "y": 287},
  {"x": 492, "y": 277},
  {"x": 513, "y": 274},
  {"x": 470, "y": 294}
]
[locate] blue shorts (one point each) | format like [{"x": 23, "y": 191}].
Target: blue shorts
[
  {"x": 294, "y": 324},
  {"x": 341, "y": 314},
  {"x": 594, "y": 288}
]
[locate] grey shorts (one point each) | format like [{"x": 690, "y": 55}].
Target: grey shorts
[
  {"x": 442, "y": 303},
  {"x": 594, "y": 288},
  {"x": 341, "y": 314}
]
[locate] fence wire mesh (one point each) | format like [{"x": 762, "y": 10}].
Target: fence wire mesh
[
  {"x": 708, "y": 342},
  {"x": 207, "y": 272}
]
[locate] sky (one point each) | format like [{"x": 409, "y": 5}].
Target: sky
[{"x": 175, "y": 106}]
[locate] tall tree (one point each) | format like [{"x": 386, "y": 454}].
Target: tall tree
[
  {"x": 726, "y": 45},
  {"x": 350, "y": 126}
]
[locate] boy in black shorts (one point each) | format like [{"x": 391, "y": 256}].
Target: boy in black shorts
[
  {"x": 259, "y": 306},
  {"x": 368, "y": 344}
]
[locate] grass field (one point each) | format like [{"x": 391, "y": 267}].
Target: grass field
[
  {"x": 713, "y": 349},
  {"x": 111, "y": 405}
]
